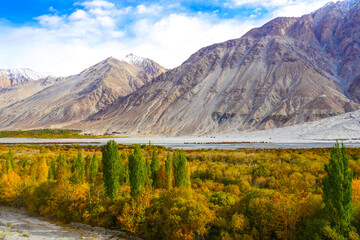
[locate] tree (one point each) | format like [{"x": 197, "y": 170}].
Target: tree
[
  {"x": 148, "y": 178},
  {"x": 52, "y": 169},
  {"x": 169, "y": 171},
  {"x": 87, "y": 165},
  {"x": 43, "y": 171},
  {"x": 94, "y": 168},
  {"x": 154, "y": 166},
  {"x": 182, "y": 177},
  {"x": 137, "y": 172},
  {"x": 337, "y": 190},
  {"x": 113, "y": 169},
  {"x": 10, "y": 161},
  {"x": 78, "y": 176},
  {"x": 62, "y": 172}
]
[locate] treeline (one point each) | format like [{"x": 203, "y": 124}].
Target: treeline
[
  {"x": 47, "y": 133},
  {"x": 160, "y": 193}
]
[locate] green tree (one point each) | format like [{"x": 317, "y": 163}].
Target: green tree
[
  {"x": 337, "y": 190},
  {"x": 62, "y": 172},
  {"x": 169, "y": 171},
  {"x": 182, "y": 178},
  {"x": 78, "y": 176},
  {"x": 87, "y": 165},
  {"x": 10, "y": 161},
  {"x": 148, "y": 172},
  {"x": 154, "y": 166},
  {"x": 137, "y": 172},
  {"x": 52, "y": 169},
  {"x": 94, "y": 168},
  {"x": 113, "y": 169}
]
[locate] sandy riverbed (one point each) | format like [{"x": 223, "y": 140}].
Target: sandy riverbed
[{"x": 17, "y": 224}]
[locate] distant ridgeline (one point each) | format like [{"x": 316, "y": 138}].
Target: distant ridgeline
[{"x": 48, "y": 133}]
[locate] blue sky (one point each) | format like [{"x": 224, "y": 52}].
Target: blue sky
[{"x": 63, "y": 37}]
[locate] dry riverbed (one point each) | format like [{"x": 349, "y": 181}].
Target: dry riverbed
[{"x": 17, "y": 224}]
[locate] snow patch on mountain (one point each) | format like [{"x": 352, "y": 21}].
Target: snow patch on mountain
[
  {"x": 134, "y": 59},
  {"x": 22, "y": 73}
]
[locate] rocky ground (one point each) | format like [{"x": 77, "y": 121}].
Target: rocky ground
[{"x": 17, "y": 224}]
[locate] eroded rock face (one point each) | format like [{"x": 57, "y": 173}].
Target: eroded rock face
[
  {"x": 62, "y": 101},
  {"x": 289, "y": 71}
]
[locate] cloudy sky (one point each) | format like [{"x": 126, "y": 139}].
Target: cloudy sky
[{"x": 63, "y": 37}]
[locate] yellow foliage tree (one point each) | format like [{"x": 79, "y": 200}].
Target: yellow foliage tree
[
  {"x": 11, "y": 186},
  {"x": 43, "y": 171}
]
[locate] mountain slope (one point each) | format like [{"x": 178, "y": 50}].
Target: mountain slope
[
  {"x": 289, "y": 71},
  {"x": 76, "y": 97}
]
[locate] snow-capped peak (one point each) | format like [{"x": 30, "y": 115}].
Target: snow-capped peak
[
  {"x": 134, "y": 59},
  {"x": 22, "y": 73}
]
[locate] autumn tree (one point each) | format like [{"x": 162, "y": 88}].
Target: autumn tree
[
  {"x": 337, "y": 190},
  {"x": 43, "y": 171},
  {"x": 137, "y": 172},
  {"x": 182, "y": 177},
  {"x": 154, "y": 166},
  {"x": 169, "y": 171},
  {"x": 113, "y": 169}
]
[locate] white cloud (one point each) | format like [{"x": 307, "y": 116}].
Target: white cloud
[
  {"x": 50, "y": 20},
  {"x": 238, "y": 3},
  {"x": 67, "y": 44},
  {"x": 299, "y": 8},
  {"x": 286, "y": 8},
  {"x": 98, "y": 4},
  {"x": 152, "y": 9}
]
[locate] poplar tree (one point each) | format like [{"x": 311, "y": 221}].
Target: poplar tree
[
  {"x": 62, "y": 171},
  {"x": 78, "y": 169},
  {"x": 137, "y": 172},
  {"x": 169, "y": 171},
  {"x": 154, "y": 166},
  {"x": 43, "y": 171},
  {"x": 10, "y": 161},
  {"x": 337, "y": 190},
  {"x": 182, "y": 178},
  {"x": 94, "y": 168},
  {"x": 113, "y": 169},
  {"x": 148, "y": 172},
  {"x": 87, "y": 165},
  {"x": 52, "y": 169}
]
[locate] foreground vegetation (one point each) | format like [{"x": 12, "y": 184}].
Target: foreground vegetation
[
  {"x": 48, "y": 133},
  {"x": 160, "y": 193}
]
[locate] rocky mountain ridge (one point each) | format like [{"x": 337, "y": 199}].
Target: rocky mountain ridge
[
  {"x": 287, "y": 72},
  {"x": 61, "y": 101}
]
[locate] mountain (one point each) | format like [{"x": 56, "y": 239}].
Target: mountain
[
  {"x": 68, "y": 100},
  {"x": 10, "y": 77},
  {"x": 289, "y": 71},
  {"x": 152, "y": 68}
]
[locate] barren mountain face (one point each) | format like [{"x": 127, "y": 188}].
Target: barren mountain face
[
  {"x": 289, "y": 71},
  {"x": 74, "y": 98}
]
